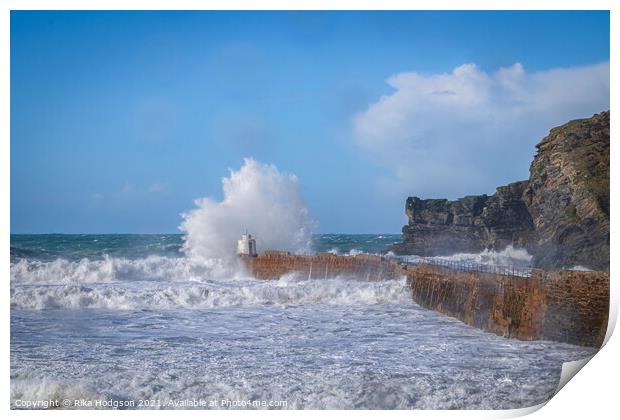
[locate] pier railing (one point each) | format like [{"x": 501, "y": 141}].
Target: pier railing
[
  {"x": 466, "y": 266},
  {"x": 454, "y": 265}
]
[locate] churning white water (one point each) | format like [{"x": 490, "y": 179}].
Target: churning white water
[
  {"x": 259, "y": 198},
  {"x": 162, "y": 328},
  {"x": 163, "y": 319}
]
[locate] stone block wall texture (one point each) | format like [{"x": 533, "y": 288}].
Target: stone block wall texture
[
  {"x": 566, "y": 306},
  {"x": 273, "y": 265},
  {"x": 577, "y": 306}
]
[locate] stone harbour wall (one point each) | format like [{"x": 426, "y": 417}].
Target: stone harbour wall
[
  {"x": 566, "y": 306},
  {"x": 275, "y": 264},
  {"x": 559, "y": 305},
  {"x": 577, "y": 306}
]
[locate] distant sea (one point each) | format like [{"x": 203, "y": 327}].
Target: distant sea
[
  {"x": 49, "y": 247},
  {"x": 129, "y": 318}
]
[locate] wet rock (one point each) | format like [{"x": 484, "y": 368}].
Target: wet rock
[{"x": 560, "y": 215}]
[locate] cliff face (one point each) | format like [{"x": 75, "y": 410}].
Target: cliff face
[
  {"x": 568, "y": 195},
  {"x": 470, "y": 224},
  {"x": 560, "y": 215}
]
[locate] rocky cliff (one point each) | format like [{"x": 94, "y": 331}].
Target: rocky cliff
[{"x": 560, "y": 215}]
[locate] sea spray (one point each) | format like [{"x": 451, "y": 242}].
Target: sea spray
[
  {"x": 174, "y": 269},
  {"x": 259, "y": 198},
  {"x": 129, "y": 317},
  {"x": 509, "y": 256},
  {"x": 290, "y": 290}
]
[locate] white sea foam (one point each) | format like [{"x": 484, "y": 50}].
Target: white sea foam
[
  {"x": 181, "y": 269},
  {"x": 259, "y": 198},
  {"x": 170, "y": 328},
  {"x": 109, "y": 270},
  {"x": 289, "y": 291},
  {"x": 580, "y": 268},
  {"x": 27, "y": 387},
  {"x": 351, "y": 253},
  {"x": 389, "y": 356},
  {"x": 507, "y": 257}
]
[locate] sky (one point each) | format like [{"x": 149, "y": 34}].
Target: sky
[{"x": 121, "y": 120}]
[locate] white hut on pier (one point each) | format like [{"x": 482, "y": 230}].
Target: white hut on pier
[{"x": 246, "y": 245}]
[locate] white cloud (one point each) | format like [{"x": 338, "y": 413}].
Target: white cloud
[{"x": 467, "y": 131}]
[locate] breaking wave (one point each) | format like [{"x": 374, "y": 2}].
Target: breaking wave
[
  {"x": 27, "y": 387},
  {"x": 288, "y": 291},
  {"x": 109, "y": 270},
  {"x": 510, "y": 256},
  {"x": 350, "y": 253},
  {"x": 580, "y": 268},
  {"x": 259, "y": 198}
]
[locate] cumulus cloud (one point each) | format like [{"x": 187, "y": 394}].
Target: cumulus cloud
[{"x": 466, "y": 131}]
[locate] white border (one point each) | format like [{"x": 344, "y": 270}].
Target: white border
[{"x": 592, "y": 394}]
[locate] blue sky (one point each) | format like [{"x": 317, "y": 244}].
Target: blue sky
[{"x": 119, "y": 120}]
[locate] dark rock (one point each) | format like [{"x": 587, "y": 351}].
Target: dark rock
[
  {"x": 470, "y": 224},
  {"x": 560, "y": 215},
  {"x": 568, "y": 195}
]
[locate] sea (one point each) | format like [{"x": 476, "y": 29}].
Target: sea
[{"x": 131, "y": 322}]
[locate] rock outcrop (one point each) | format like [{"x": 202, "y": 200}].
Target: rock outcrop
[{"x": 560, "y": 215}]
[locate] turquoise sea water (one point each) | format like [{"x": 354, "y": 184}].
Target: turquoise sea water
[
  {"x": 74, "y": 247},
  {"x": 129, "y": 318}
]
